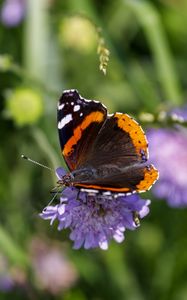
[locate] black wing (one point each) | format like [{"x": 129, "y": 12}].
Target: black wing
[{"x": 79, "y": 121}]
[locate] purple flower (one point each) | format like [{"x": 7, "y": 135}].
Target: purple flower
[
  {"x": 94, "y": 219},
  {"x": 180, "y": 112},
  {"x": 168, "y": 152},
  {"x": 12, "y": 12},
  {"x": 53, "y": 271},
  {"x": 6, "y": 283}
]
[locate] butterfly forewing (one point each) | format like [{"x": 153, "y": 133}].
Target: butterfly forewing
[
  {"x": 120, "y": 142},
  {"x": 79, "y": 121},
  {"x": 118, "y": 158}
]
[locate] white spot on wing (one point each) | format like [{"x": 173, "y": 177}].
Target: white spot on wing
[
  {"x": 108, "y": 193},
  {"x": 81, "y": 114},
  {"x": 64, "y": 121},
  {"x": 116, "y": 195},
  {"x": 129, "y": 194},
  {"x": 61, "y": 106},
  {"x": 90, "y": 191},
  {"x": 69, "y": 91},
  {"x": 76, "y": 108},
  {"x": 88, "y": 100}
]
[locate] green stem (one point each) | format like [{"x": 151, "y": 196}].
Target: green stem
[
  {"x": 45, "y": 146},
  {"x": 163, "y": 274},
  {"x": 121, "y": 274},
  {"x": 144, "y": 87},
  {"x": 35, "y": 43},
  {"x": 11, "y": 250},
  {"x": 19, "y": 71},
  {"x": 149, "y": 19}
]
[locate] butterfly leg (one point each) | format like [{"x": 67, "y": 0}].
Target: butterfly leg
[
  {"x": 55, "y": 190},
  {"x": 78, "y": 194}
]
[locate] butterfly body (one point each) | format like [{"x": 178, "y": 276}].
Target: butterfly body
[{"x": 103, "y": 152}]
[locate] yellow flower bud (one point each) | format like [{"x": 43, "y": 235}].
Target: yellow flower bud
[
  {"x": 24, "y": 106},
  {"x": 78, "y": 33}
]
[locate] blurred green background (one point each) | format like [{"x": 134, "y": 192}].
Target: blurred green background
[{"x": 54, "y": 47}]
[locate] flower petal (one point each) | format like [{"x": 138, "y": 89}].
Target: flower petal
[{"x": 60, "y": 172}]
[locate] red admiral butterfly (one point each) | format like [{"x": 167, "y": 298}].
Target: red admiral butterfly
[{"x": 102, "y": 152}]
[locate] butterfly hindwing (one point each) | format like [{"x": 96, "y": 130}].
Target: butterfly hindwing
[{"x": 134, "y": 179}]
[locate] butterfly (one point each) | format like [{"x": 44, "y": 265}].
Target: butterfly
[{"x": 103, "y": 152}]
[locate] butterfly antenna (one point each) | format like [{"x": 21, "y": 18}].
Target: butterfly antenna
[{"x": 35, "y": 162}]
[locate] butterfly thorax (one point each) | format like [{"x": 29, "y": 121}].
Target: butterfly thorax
[
  {"x": 70, "y": 179},
  {"x": 66, "y": 180}
]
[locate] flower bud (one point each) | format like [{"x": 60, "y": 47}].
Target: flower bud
[{"x": 24, "y": 106}]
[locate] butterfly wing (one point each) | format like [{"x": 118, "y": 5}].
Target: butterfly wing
[
  {"x": 79, "y": 121},
  {"x": 119, "y": 156},
  {"x": 121, "y": 142},
  {"x": 138, "y": 178}
]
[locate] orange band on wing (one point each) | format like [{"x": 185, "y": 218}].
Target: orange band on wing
[
  {"x": 135, "y": 131},
  {"x": 77, "y": 133},
  {"x": 150, "y": 176},
  {"x": 90, "y": 186}
]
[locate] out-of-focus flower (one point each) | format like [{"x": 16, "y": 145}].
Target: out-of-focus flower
[
  {"x": 5, "y": 62},
  {"x": 6, "y": 280},
  {"x": 24, "y": 106},
  {"x": 53, "y": 271},
  {"x": 180, "y": 113},
  {"x": 95, "y": 219},
  {"x": 78, "y": 33},
  {"x": 10, "y": 276},
  {"x": 168, "y": 152},
  {"x": 12, "y": 12}
]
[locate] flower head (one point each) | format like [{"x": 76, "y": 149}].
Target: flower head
[
  {"x": 53, "y": 270},
  {"x": 12, "y": 12},
  {"x": 78, "y": 33},
  {"x": 168, "y": 153},
  {"x": 10, "y": 276},
  {"x": 24, "y": 106},
  {"x": 6, "y": 283},
  {"x": 93, "y": 218}
]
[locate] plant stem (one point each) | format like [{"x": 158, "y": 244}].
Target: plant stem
[{"x": 149, "y": 19}]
